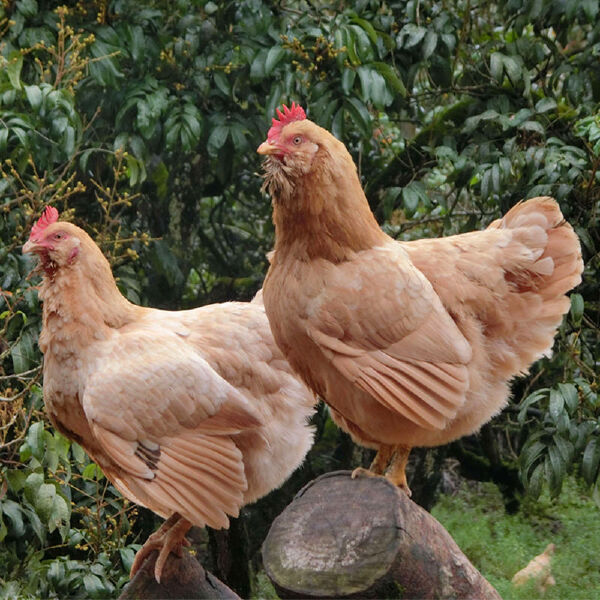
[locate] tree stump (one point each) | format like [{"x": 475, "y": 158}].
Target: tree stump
[
  {"x": 342, "y": 538},
  {"x": 181, "y": 578}
]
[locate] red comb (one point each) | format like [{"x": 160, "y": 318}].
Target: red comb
[
  {"x": 289, "y": 115},
  {"x": 49, "y": 216}
]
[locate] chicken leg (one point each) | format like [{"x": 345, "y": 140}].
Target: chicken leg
[
  {"x": 392, "y": 461},
  {"x": 170, "y": 537},
  {"x": 396, "y": 472},
  {"x": 379, "y": 464}
]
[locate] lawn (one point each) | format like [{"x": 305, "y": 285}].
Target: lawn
[{"x": 499, "y": 545}]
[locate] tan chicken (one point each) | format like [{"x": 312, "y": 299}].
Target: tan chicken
[
  {"x": 410, "y": 344},
  {"x": 191, "y": 413},
  {"x": 538, "y": 569}
]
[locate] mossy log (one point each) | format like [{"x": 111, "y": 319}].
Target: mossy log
[
  {"x": 343, "y": 538},
  {"x": 181, "y": 578}
]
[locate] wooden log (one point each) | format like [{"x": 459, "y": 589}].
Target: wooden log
[
  {"x": 343, "y": 538},
  {"x": 181, "y": 578}
]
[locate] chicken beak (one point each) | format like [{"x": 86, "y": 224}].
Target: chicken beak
[
  {"x": 267, "y": 148},
  {"x": 29, "y": 246}
]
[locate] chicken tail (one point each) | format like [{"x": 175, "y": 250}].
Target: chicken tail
[{"x": 541, "y": 263}]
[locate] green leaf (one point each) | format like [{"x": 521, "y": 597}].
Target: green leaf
[
  {"x": 3, "y": 528},
  {"x": 577, "y": 307},
  {"x": 222, "y": 82},
  {"x": 363, "y": 44},
  {"x": 556, "y": 404},
  {"x": 78, "y": 452},
  {"x": 93, "y": 585},
  {"x": 34, "y": 96},
  {"x": 497, "y": 66},
  {"x": 274, "y": 55},
  {"x": 90, "y": 471},
  {"x": 13, "y": 69},
  {"x": 16, "y": 479},
  {"x": 60, "y": 515},
  {"x": 349, "y": 37},
  {"x": 22, "y": 352},
  {"x": 238, "y": 136},
  {"x": 50, "y": 458},
  {"x": 369, "y": 29},
  {"x": 28, "y": 8},
  {"x": 413, "y": 195},
  {"x": 565, "y": 448},
  {"x": 127, "y": 556},
  {"x": 35, "y": 440},
  {"x": 545, "y": 104},
  {"x": 359, "y": 114},
  {"x": 590, "y": 8},
  {"x": 530, "y": 455},
  {"x": 430, "y": 44},
  {"x": 513, "y": 69},
  {"x": 570, "y": 395},
  {"x": 32, "y": 484},
  {"x": 391, "y": 76},
  {"x": 390, "y": 199},
  {"x": 410, "y": 35},
  {"x": 529, "y": 401},
  {"x": 534, "y": 484},
  {"x": 44, "y": 500},
  {"x": 217, "y": 139},
  {"x": 348, "y": 78},
  {"x": 533, "y": 126},
  {"x": 590, "y": 461},
  {"x": 257, "y": 68},
  {"x": 496, "y": 178},
  {"x": 588, "y": 394},
  {"x": 133, "y": 169},
  {"x": 14, "y": 512},
  {"x": 557, "y": 470}
]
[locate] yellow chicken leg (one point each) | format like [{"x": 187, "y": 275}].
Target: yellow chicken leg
[
  {"x": 379, "y": 464},
  {"x": 170, "y": 537},
  {"x": 397, "y": 469}
]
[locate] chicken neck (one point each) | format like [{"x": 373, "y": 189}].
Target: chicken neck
[
  {"x": 325, "y": 215},
  {"x": 81, "y": 305}
]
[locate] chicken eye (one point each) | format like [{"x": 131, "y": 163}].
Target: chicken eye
[
  {"x": 297, "y": 140},
  {"x": 59, "y": 236}
]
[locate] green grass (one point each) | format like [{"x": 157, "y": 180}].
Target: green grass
[{"x": 499, "y": 545}]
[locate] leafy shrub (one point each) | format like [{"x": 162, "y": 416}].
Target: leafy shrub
[{"x": 139, "y": 122}]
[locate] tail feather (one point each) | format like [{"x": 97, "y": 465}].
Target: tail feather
[
  {"x": 554, "y": 268},
  {"x": 511, "y": 279}
]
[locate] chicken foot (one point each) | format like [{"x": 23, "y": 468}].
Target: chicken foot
[
  {"x": 392, "y": 461},
  {"x": 379, "y": 464},
  {"x": 396, "y": 472},
  {"x": 170, "y": 537}
]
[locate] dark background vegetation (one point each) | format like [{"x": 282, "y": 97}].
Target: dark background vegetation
[{"x": 139, "y": 121}]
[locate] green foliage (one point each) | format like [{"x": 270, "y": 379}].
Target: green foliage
[
  {"x": 140, "y": 123},
  {"x": 499, "y": 545}
]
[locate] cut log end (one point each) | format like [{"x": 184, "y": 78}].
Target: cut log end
[
  {"x": 344, "y": 538},
  {"x": 181, "y": 578}
]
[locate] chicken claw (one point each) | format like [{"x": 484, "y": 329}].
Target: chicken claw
[
  {"x": 169, "y": 538},
  {"x": 397, "y": 457},
  {"x": 379, "y": 464},
  {"x": 396, "y": 472}
]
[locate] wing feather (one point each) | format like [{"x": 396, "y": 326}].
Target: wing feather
[
  {"x": 169, "y": 423},
  {"x": 401, "y": 347}
]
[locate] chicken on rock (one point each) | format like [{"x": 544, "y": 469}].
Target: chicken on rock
[
  {"x": 409, "y": 343},
  {"x": 190, "y": 413}
]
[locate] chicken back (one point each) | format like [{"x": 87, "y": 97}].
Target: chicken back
[
  {"x": 409, "y": 343},
  {"x": 190, "y": 413}
]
